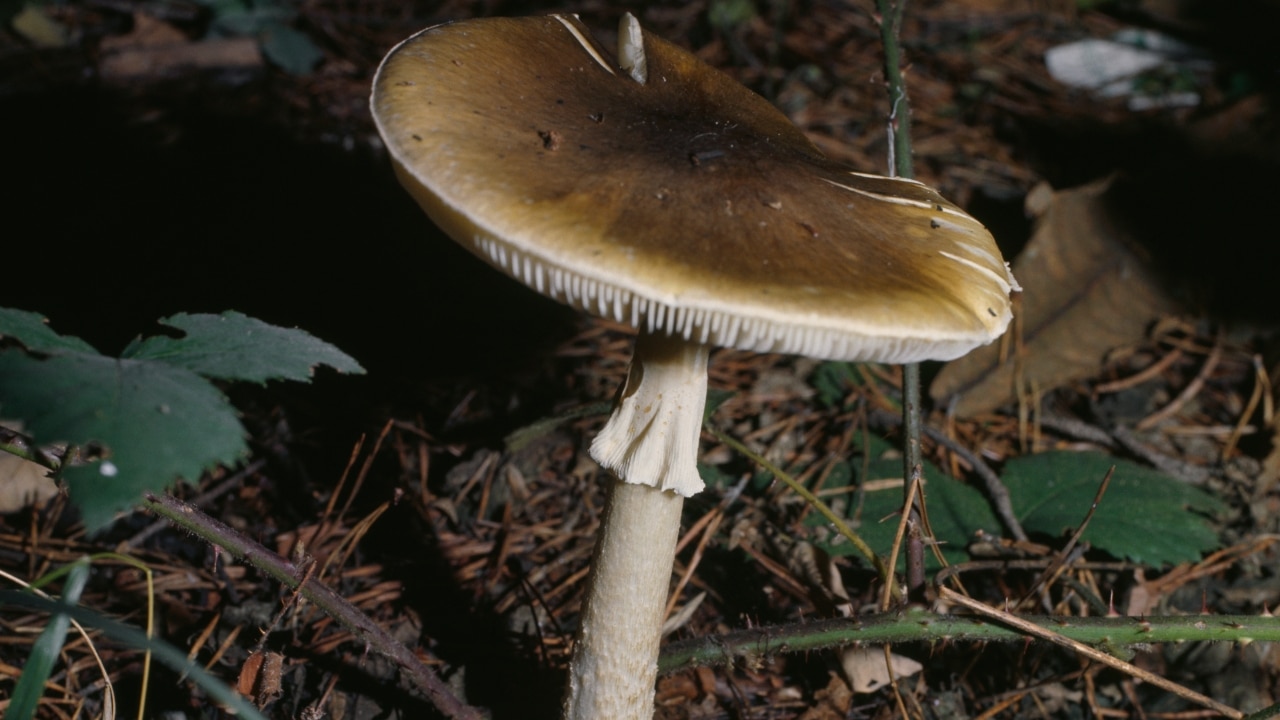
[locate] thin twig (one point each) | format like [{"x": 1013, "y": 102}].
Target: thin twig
[
  {"x": 1190, "y": 391},
  {"x": 1261, "y": 389},
  {"x": 1061, "y": 558},
  {"x": 885, "y": 571},
  {"x": 1143, "y": 375},
  {"x": 1076, "y": 428},
  {"x": 909, "y": 500},
  {"x": 334, "y": 605},
  {"x": 996, "y": 491},
  {"x": 202, "y": 500},
  {"x": 1187, "y": 472}
]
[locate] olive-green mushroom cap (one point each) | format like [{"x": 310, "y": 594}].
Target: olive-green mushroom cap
[{"x": 684, "y": 205}]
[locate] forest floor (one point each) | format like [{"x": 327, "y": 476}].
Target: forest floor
[{"x": 167, "y": 157}]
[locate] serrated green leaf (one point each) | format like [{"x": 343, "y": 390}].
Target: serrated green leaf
[
  {"x": 1145, "y": 516},
  {"x": 956, "y": 511},
  {"x": 158, "y": 422},
  {"x": 32, "y": 330},
  {"x": 233, "y": 346}
]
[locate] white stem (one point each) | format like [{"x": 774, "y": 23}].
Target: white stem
[
  {"x": 651, "y": 445},
  {"x": 615, "y": 661}
]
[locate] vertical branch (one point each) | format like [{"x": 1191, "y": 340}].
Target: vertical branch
[
  {"x": 900, "y": 165},
  {"x": 891, "y": 13}
]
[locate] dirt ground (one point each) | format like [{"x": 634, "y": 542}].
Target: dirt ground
[{"x": 160, "y": 162}]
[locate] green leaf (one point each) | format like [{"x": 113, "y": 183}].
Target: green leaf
[
  {"x": 155, "y": 416},
  {"x": 241, "y": 19},
  {"x": 32, "y": 330},
  {"x": 1145, "y": 516},
  {"x": 292, "y": 50},
  {"x": 726, "y": 15},
  {"x": 715, "y": 398},
  {"x": 714, "y": 477},
  {"x": 832, "y": 381},
  {"x": 956, "y": 511},
  {"x": 158, "y": 423},
  {"x": 232, "y": 346}
]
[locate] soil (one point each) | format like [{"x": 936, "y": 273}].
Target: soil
[{"x": 238, "y": 185}]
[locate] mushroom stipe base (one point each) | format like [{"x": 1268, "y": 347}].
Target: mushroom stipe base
[{"x": 631, "y": 569}]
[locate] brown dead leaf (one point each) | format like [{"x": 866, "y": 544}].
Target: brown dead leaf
[
  {"x": 147, "y": 32},
  {"x": 23, "y": 484},
  {"x": 822, "y": 574},
  {"x": 833, "y": 702},
  {"x": 680, "y": 689},
  {"x": 156, "y": 50},
  {"x": 1086, "y": 293}
]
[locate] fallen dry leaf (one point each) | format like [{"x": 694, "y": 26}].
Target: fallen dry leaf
[
  {"x": 867, "y": 670},
  {"x": 147, "y": 32},
  {"x": 833, "y": 702},
  {"x": 23, "y": 484},
  {"x": 1085, "y": 294},
  {"x": 154, "y": 50}
]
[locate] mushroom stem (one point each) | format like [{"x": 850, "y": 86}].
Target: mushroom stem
[
  {"x": 615, "y": 661},
  {"x": 651, "y": 444}
]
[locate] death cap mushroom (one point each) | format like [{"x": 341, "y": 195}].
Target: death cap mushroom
[
  {"x": 681, "y": 203},
  {"x": 664, "y": 194}
]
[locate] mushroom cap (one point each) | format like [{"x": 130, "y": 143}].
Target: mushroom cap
[{"x": 686, "y": 205}]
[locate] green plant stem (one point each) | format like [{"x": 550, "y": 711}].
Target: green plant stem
[
  {"x": 900, "y": 165},
  {"x": 917, "y": 624},
  {"x": 334, "y": 605},
  {"x": 891, "y": 13},
  {"x": 913, "y": 472},
  {"x": 19, "y": 445}
]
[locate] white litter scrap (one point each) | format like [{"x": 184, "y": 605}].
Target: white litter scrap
[
  {"x": 867, "y": 670},
  {"x": 1128, "y": 65}
]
